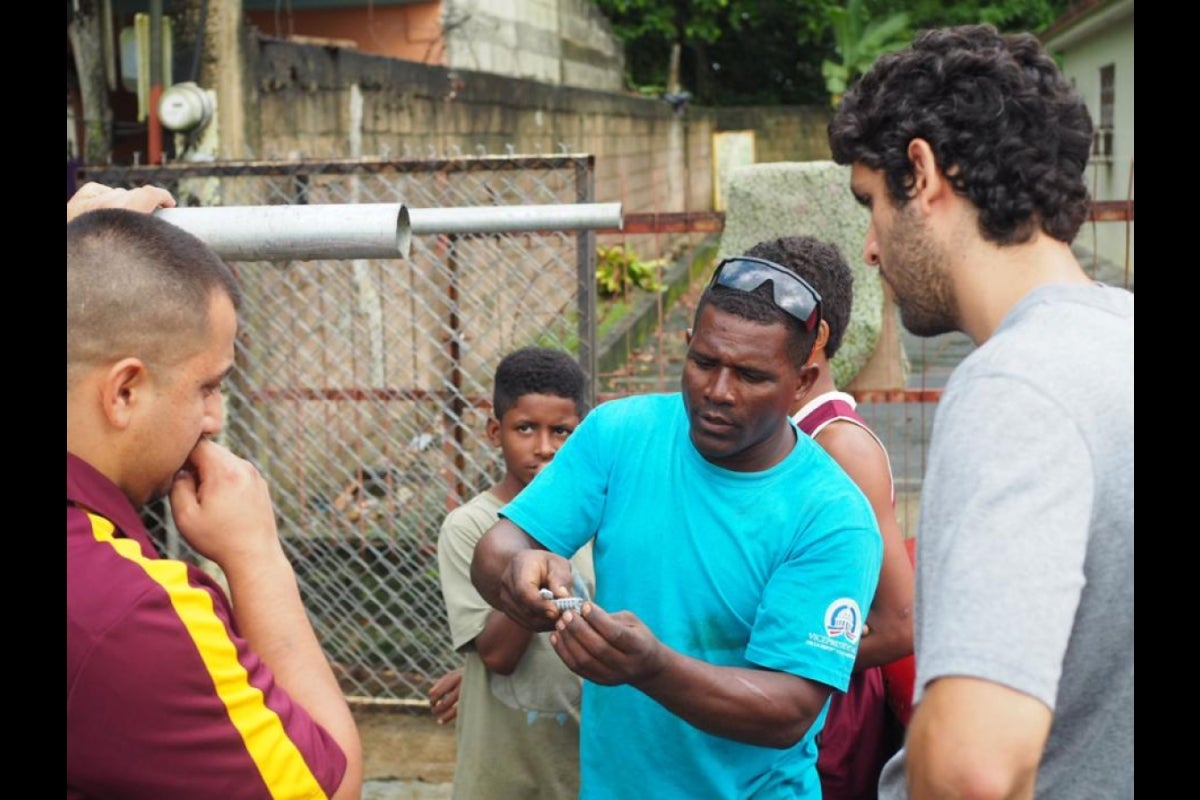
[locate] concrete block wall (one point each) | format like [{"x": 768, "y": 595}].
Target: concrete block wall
[
  {"x": 325, "y": 102},
  {"x": 564, "y": 42},
  {"x": 647, "y": 157},
  {"x": 592, "y": 54},
  {"x": 488, "y": 37},
  {"x": 783, "y": 133}
]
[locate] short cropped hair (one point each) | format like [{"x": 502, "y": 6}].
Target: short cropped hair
[
  {"x": 759, "y": 306},
  {"x": 1006, "y": 127},
  {"x": 820, "y": 264},
  {"x": 537, "y": 370},
  {"x": 138, "y": 286}
]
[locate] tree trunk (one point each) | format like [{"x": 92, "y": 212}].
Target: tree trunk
[
  {"x": 85, "y": 33},
  {"x": 701, "y": 73}
]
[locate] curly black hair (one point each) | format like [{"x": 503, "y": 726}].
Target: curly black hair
[
  {"x": 759, "y": 306},
  {"x": 537, "y": 370},
  {"x": 1006, "y": 127},
  {"x": 822, "y": 265}
]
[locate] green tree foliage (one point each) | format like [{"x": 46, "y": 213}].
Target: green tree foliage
[
  {"x": 858, "y": 39},
  {"x": 768, "y": 52},
  {"x": 1007, "y": 15},
  {"x": 732, "y": 51}
]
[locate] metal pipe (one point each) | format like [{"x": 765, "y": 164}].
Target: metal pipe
[
  {"x": 515, "y": 219},
  {"x": 368, "y": 230},
  {"x": 298, "y": 232}
]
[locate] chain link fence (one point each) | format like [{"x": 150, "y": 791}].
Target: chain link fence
[{"x": 363, "y": 386}]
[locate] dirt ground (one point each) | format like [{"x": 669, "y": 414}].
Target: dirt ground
[{"x": 404, "y": 743}]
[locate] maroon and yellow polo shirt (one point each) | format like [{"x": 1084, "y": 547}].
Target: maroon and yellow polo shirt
[{"x": 164, "y": 698}]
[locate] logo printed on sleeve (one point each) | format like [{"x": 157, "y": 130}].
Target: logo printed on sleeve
[{"x": 843, "y": 618}]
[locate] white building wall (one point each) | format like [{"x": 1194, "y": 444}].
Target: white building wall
[{"x": 1082, "y": 54}]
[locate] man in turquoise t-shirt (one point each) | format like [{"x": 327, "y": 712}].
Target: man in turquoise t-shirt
[{"x": 741, "y": 596}]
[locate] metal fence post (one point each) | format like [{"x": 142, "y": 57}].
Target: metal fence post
[{"x": 585, "y": 192}]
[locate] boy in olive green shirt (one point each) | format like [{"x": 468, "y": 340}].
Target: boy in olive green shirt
[{"x": 517, "y": 725}]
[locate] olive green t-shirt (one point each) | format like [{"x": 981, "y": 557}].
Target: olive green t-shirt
[{"x": 517, "y": 736}]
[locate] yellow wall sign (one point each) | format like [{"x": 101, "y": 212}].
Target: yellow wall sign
[{"x": 730, "y": 149}]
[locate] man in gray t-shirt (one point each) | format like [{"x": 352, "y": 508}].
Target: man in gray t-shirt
[{"x": 969, "y": 148}]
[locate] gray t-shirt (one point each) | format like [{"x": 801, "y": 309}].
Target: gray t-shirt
[{"x": 1025, "y": 546}]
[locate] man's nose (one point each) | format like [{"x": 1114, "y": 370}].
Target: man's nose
[
  {"x": 214, "y": 416},
  {"x": 720, "y": 389},
  {"x": 871, "y": 248}
]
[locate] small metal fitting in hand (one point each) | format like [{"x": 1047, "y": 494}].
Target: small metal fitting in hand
[{"x": 562, "y": 603}]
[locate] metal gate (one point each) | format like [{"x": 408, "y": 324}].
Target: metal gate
[{"x": 363, "y": 387}]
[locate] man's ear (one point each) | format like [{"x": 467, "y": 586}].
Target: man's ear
[
  {"x": 929, "y": 181},
  {"x": 805, "y": 378},
  {"x": 122, "y": 389},
  {"x": 687, "y": 336},
  {"x": 493, "y": 431},
  {"x": 822, "y": 337}
]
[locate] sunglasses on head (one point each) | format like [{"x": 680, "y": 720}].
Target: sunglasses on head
[{"x": 790, "y": 292}]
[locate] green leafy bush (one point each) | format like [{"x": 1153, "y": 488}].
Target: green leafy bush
[{"x": 619, "y": 270}]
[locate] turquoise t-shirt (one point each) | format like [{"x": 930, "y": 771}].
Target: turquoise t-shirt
[{"x": 773, "y": 569}]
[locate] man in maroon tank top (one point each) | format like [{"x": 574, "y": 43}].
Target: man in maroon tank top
[{"x": 861, "y": 729}]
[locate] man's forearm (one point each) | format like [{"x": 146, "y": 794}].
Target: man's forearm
[
  {"x": 493, "y": 553},
  {"x": 755, "y": 706},
  {"x": 884, "y": 644},
  {"x": 271, "y": 616}
]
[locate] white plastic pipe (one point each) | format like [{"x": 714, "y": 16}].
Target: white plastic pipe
[{"x": 367, "y": 230}]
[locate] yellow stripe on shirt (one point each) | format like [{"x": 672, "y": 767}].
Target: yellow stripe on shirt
[{"x": 283, "y": 768}]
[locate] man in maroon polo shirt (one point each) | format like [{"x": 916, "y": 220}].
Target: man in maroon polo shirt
[{"x": 174, "y": 691}]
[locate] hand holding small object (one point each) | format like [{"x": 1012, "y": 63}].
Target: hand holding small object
[{"x": 562, "y": 603}]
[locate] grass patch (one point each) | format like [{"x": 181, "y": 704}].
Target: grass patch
[{"x": 609, "y": 313}]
